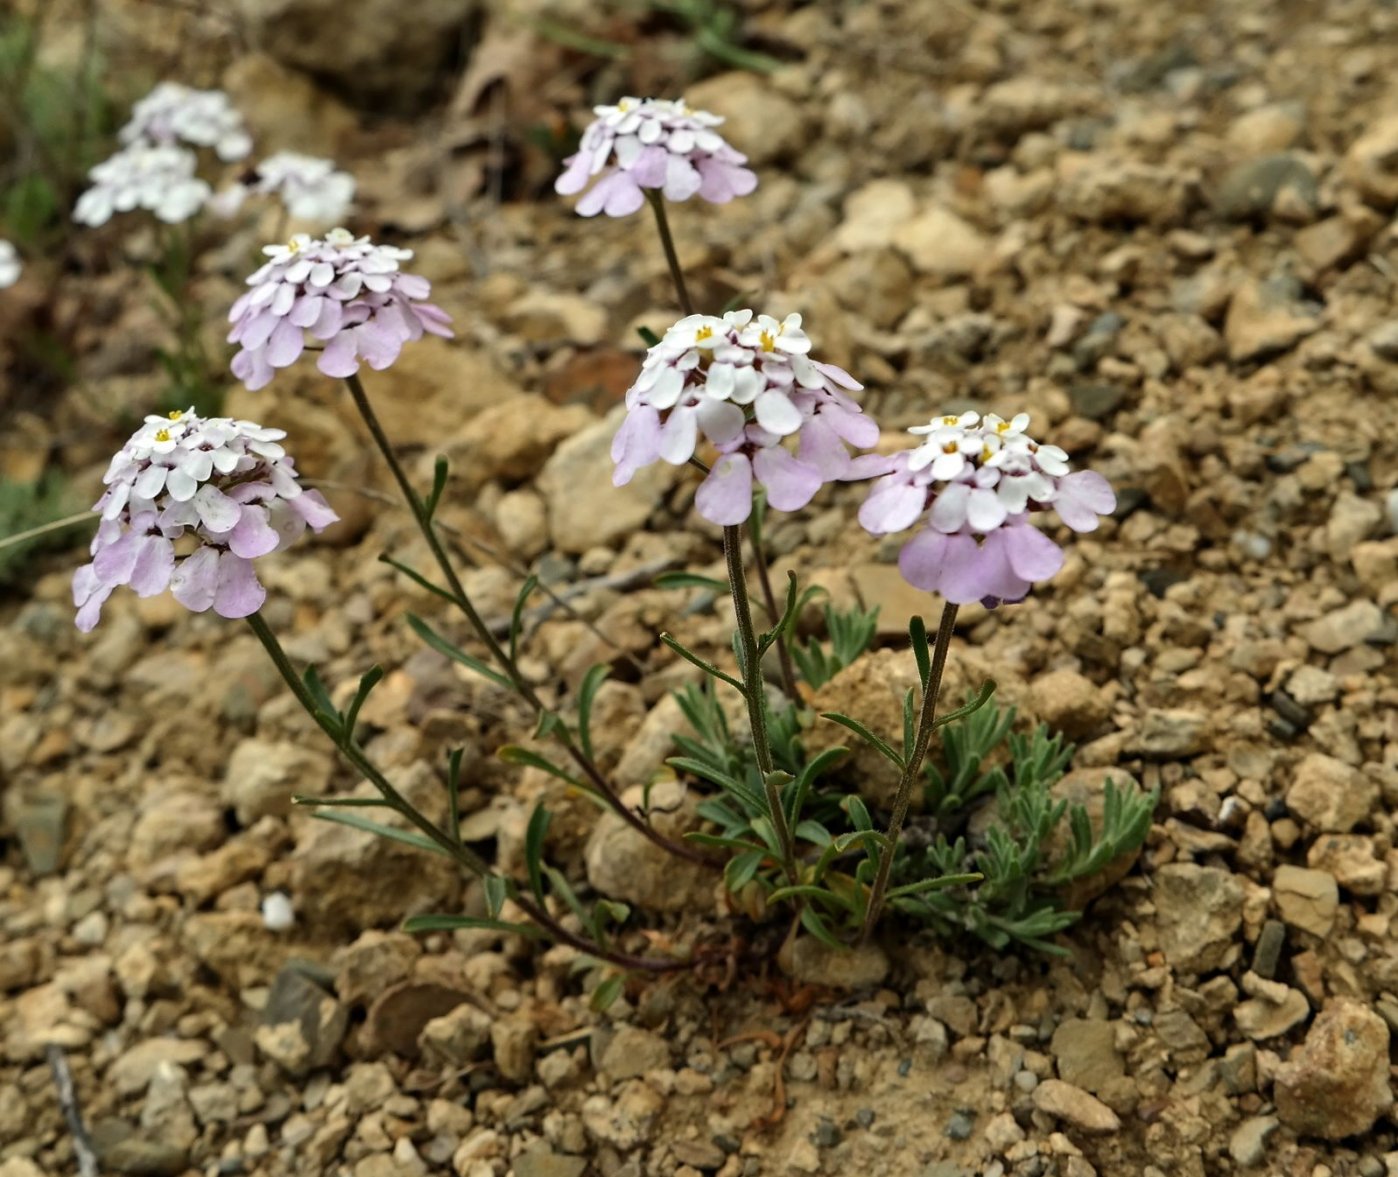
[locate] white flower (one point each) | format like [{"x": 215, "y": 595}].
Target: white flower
[
  {"x": 175, "y": 113},
  {"x": 310, "y": 188},
  {"x": 160, "y": 179},
  {"x": 769, "y": 335},
  {"x": 10, "y": 266}
]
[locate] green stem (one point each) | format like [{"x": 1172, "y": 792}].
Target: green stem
[
  {"x": 457, "y": 592},
  {"x": 764, "y": 578},
  {"x": 662, "y": 224},
  {"x": 460, "y": 853},
  {"x": 755, "y": 695},
  {"x": 911, "y": 769}
]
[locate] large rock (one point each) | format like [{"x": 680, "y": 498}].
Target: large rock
[
  {"x": 1337, "y": 1084},
  {"x": 939, "y": 242},
  {"x": 1371, "y": 164},
  {"x": 1329, "y": 794},
  {"x": 263, "y": 774},
  {"x": 1265, "y": 318},
  {"x": 585, "y": 509},
  {"x": 1200, "y": 910},
  {"x": 762, "y": 122},
  {"x": 623, "y": 864},
  {"x": 374, "y": 49}
]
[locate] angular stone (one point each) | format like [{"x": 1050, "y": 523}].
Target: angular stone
[
  {"x": 1329, "y": 794},
  {"x": 1086, "y": 1055},
  {"x": 1306, "y": 899},
  {"x": 632, "y": 1053},
  {"x": 1200, "y": 910},
  {"x": 623, "y": 864},
  {"x": 1337, "y": 1083},
  {"x": 1070, "y": 702},
  {"x": 814, "y": 963},
  {"x": 1343, "y": 628},
  {"x": 1264, "y": 319},
  {"x": 402, "y": 1012},
  {"x": 1075, "y": 1106},
  {"x": 1351, "y": 859},
  {"x": 939, "y": 242},
  {"x": 302, "y": 1024}
]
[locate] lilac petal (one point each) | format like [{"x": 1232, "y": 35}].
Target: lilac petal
[
  {"x": 155, "y": 560},
  {"x": 790, "y": 482},
  {"x": 1032, "y": 555},
  {"x": 984, "y": 510},
  {"x": 855, "y": 428},
  {"x": 306, "y": 310},
  {"x": 113, "y": 564},
  {"x": 93, "y": 595},
  {"x": 998, "y": 579},
  {"x": 413, "y": 286},
  {"x": 624, "y": 198},
  {"x": 339, "y": 357},
  {"x": 650, "y": 167},
  {"x": 577, "y": 172},
  {"x": 682, "y": 179},
  {"x": 195, "y": 581},
  {"x": 949, "y": 509},
  {"x": 720, "y": 420},
  {"x": 332, "y": 315},
  {"x": 286, "y": 344},
  {"x": 434, "y": 320},
  {"x": 252, "y": 536},
  {"x": 151, "y": 481},
  {"x": 596, "y": 197},
  {"x": 894, "y": 506},
  {"x": 380, "y": 340},
  {"x": 821, "y": 448},
  {"x": 636, "y": 444},
  {"x": 217, "y": 511},
  {"x": 679, "y": 435},
  {"x": 963, "y": 577},
  {"x": 714, "y": 185},
  {"x": 239, "y": 593},
  {"x": 838, "y": 375},
  {"x": 922, "y": 559},
  {"x": 313, "y": 508},
  {"x": 1082, "y": 497},
  {"x": 776, "y": 413},
  {"x": 255, "y": 332},
  {"x": 252, "y": 368},
  {"x": 725, "y": 496}
]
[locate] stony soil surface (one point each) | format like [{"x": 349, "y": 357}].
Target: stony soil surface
[{"x": 1165, "y": 230}]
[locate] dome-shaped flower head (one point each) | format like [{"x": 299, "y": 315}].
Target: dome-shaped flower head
[
  {"x": 10, "y": 265},
  {"x": 159, "y": 179},
  {"x": 652, "y": 143},
  {"x": 226, "y": 486},
  {"x": 746, "y": 384},
  {"x": 311, "y": 189},
  {"x": 973, "y": 483},
  {"x": 342, "y": 290},
  {"x": 173, "y": 113}
]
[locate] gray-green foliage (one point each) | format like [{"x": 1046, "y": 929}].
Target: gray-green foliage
[{"x": 1019, "y": 897}]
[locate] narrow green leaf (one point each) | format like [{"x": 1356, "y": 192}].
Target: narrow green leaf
[
  {"x": 880, "y": 745},
  {"x": 815, "y": 924},
  {"x": 939, "y": 884},
  {"x": 417, "y": 578},
  {"x": 707, "y": 667},
  {"x": 321, "y": 697},
  {"x": 453, "y": 923},
  {"x": 341, "y": 802},
  {"x": 534, "y": 850},
  {"x": 722, "y": 842},
  {"x": 564, "y": 890},
  {"x": 795, "y": 799},
  {"x": 909, "y": 723},
  {"x": 858, "y": 813},
  {"x": 587, "y": 692},
  {"x": 497, "y": 890},
  {"x": 679, "y": 580},
  {"x": 515, "y": 754},
  {"x": 439, "y": 482},
  {"x": 517, "y": 615},
  {"x": 917, "y": 634},
  {"x": 455, "y": 653},
  {"x": 741, "y": 869},
  {"x": 808, "y": 891},
  {"x": 371, "y": 678},
  {"x": 649, "y": 337},
  {"x": 606, "y": 993},
  {"x": 407, "y": 837},
  {"x": 983, "y": 697},
  {"x": 812, "y": 831}
]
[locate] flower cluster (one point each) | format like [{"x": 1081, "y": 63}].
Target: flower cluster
[
  {"x": 227, "y": 485},
  {"x": 344, "y": 291},
  {"x": 746, "y": 384},
  {"x": 159, "y": 179},
  {"x": 10, "y": 265},
  {"x": 153, "y": 170},
  {"x": 653, "y": 143},
  {"x": 173, "y": 113},
  {"x": 311, "y": 189},
  {"x": 979, "y": 480}
]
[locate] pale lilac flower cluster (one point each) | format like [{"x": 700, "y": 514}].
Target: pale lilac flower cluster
[
  {"x": 174, "y": 113},
  {"x": 227, "y": 485},
  {"x": 10, "y": 265},
  {"x": 746, "y": 384},
  {"x": 342, "y": 290},
  {"x": 979, "y": 480},
  {"x": 311, "y": 189},
  {"x": 159, "y": 178},
  {"x": 652, "y": 143},
  {"x": 153, "y": 170}
]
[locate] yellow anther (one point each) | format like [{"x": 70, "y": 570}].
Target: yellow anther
[
  {"x": 704, "y": 332},
  {"x": 769, "y": 342},
  {"x": 162, "y": 435}
]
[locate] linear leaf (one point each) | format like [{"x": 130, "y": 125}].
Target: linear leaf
[
  {"x": 371, "y": 678},
  {"x": 455, "y": 653},
  {"x": 407, "y": 837},
  {"x": 440, "y": 469},
  {"x": 453, "y": 923},
  {"x": 417, "y": 578},
  {"x": 534, "y": 850},
  {"x": 707, "y": 667},
  {"x": 587, "y": 693},
  {"x": 880, "y": 745},
  {"x": 678, "y": 580}
]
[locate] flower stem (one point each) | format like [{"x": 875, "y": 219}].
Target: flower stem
[
  {"x": 457, "y": 591},
  {"x": 764, "y": 578},
  {"x": 911, "y": 769},
  {"x": 463, "y": 855},
  {"x": 662, "y": 224},
  {"x": 755, "y": 694}
]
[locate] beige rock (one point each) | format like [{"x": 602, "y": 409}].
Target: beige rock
[
  {"x": 1344, "y": 628},
  {"x": 873, "y": 215},
  {"x": 262, "y": 775},
  {"x": 1371, "y": 164},
  {"x": 939, "y": 242},
  {"x": 1266, "y": 129},
  {"x": 1075, "y": 1106},
  {"x": 172, "y": 821},
  {"x": 623, "y": 864},
  {"x": 547, "y": 316},
  {"x": 1264, "y": 320},
  {"x": 632, "y": 1053},
  {"x": 585, "y": 510},
  {"x": 814, "y": 963},
  {"x": 1086, "y": 1055},
  {"x": 1306, "y": 899},
  {"x": 1329, "y": 794},
  {"x": 511, "y": 439},
  {"x": 1069, "y": 702},
  {"x": 1337, "y": 1084},
  {"x": 762, "y": 122},
  {"x": 372, "y": 963},
  {"x": 1352, "y": 860},
  {"x": 1200, "y": 909}
]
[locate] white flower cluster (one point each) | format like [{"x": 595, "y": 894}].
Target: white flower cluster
[
  {"x": 159, "y": 179},
  {"x": 173, "y": 113},
  {"x": 311, "y": 189}
]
